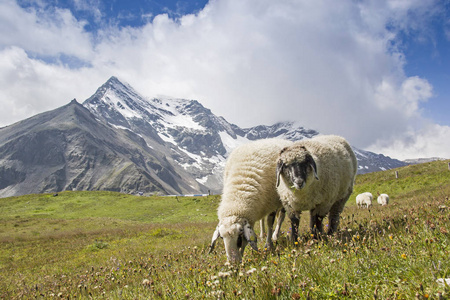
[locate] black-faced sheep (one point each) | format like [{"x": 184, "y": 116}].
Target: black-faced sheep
[
  {"x": 316, "y": 175},
  {"x": 364, "y": 200},
  {"x": 249, "y": 194}
]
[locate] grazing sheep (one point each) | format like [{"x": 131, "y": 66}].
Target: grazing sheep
[
  {"x": 383, "y": 199},
  {"x": 249, "y": 194},
  {"x": 364, "y": 200},
  {"x": 316, "y": 175}
]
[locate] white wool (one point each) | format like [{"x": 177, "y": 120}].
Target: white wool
[
  {"x": 336, "y": 169},
  {"x": 383, "y": 199},
  {"x": 364, "y": 200},
  {"x": 249, "y": 192}
]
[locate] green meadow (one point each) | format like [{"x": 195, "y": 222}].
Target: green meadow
[{"x": 105, "y": 245}]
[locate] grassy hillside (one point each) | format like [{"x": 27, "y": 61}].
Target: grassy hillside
[{"x": 116, "y": 246}]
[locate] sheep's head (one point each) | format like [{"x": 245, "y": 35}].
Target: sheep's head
[
  {"x": 236, "y": 234},
  {"x": 296, "y": 164}
]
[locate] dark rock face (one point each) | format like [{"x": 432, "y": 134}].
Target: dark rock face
[{"x": 74, "y": 151}]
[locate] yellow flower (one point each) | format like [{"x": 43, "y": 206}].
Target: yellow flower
[
  {"x": 391, "y": 236},
  {"x": 404, "y": 255}
]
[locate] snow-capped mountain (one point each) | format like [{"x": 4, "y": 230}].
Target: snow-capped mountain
[
  {"x": 196, "y": 139},
  {"x": 121, "y": 141}
]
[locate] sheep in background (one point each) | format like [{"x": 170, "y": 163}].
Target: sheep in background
[
  {"x": 383, "y": 199},
  {"x": 249, "y": 194},
  {"x": 316, "y": 175},
  {"x": 364, "y": 200}
]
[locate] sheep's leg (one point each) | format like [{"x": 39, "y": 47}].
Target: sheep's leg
[
  {"x": 334, "y": 215},
  {"x": 270, "y": 221},
  {"x": 280, "y": 219},
  {"x": 242, "y": 248},
  {"x": 262, "y": 231},
  {"x": 316, "y": 225},
  {"x": 295, "y": 221}
]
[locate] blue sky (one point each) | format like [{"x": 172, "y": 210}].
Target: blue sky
[{"x": 373, "y": 71}]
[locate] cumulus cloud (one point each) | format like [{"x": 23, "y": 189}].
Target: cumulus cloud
[
  {"x": 334, "y": 68},
  {"x": 431, "y": 140},
  {"x": 43, "y": 32}
]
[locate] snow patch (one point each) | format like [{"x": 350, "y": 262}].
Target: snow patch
[{"x": 231, "y": 143}]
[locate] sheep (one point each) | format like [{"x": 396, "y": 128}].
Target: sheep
[
  {"x": 383, "y": 199},
  {"x": 249, "y": 194},
  {"x": 316, "y": 175},
  {"x": 364, "y": 200}
]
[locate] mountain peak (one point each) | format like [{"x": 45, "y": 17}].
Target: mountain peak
[{"x": 114, "y": 81}]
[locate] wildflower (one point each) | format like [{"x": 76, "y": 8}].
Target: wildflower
[
  {"x": 404, "y": 256},
  {"x": 251, "y": 271},
  {"x": 391, "y": 237},
  {"x": 263, "y": 268},
  {"x": 443, "y": 281},
  {"x": 224, "y": 274}
]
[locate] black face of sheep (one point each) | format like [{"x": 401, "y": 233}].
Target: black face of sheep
[{"x": 296, "y": 169}]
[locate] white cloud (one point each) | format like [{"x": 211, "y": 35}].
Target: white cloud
[
  {"x": 431, "y": 140},
  {"x": 43, "y": 32},
  {"x": 332, "y": 67}
]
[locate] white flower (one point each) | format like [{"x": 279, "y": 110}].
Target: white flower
[
  {"x": 443, "y": 281},
  {"x": 224, "y": 274},
  {"x": 251, "y": 271}
]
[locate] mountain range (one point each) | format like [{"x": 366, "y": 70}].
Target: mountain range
[{"x": 119, "y": 140}]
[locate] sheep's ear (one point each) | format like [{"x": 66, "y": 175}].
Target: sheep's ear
[
  {"x": 215, "y": 236},
  {"x": 250, "y": 236},
  {"x": 280, "y": 166},
  {"x": 313, "y": 166}
]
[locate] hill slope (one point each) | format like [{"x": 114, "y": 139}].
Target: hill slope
[
  {"x": 116, "y": 246},
  {"x": 68, "y": 149}
]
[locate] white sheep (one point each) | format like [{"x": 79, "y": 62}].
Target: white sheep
[
  {"x": 249, "y": 194},
  {"x": 316, "y": 175},
  {"x": 364, "y": 200},
  {"x": 383, "y": 199}
]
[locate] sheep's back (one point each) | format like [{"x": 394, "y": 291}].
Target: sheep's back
[{"x": 249, "y": 180}]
